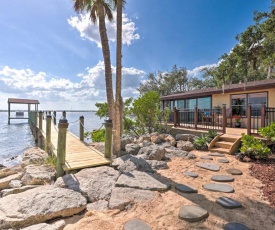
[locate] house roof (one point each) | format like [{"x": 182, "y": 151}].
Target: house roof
[
  {"x": 22, "y": 101},
  {"x": 253, "y": 85}
]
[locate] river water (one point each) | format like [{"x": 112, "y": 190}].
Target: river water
[{"x": 17, "y": 137}]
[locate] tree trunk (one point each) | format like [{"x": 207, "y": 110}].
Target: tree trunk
[
  {"x": 118, "y": 104},
  {"x": 107, "y": 60}
]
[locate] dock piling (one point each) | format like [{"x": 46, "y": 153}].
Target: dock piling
[
  {"x": 108, "y": 138},
  {"x": 48, "y": 133},
  {"x": 81, "y": 128},
  {"x": 61, "y": 147},
  {"x": 54, "y": 117}
]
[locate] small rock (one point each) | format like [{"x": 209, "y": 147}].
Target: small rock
[
  {"x": 234, "y": 171},
  {"x": 145, "y": 137},
  {"x": 191, "y": 156},
  {"x": 185, "y": 189},
  {"x": 222, "y": 178},
  {"x": 229, "y": 203},
  {"x": 223, "y": 160},
  {"x": 15, "y": 184},
  {"x": 124, "y": 141},
  {"x": 185, "y": 145},
  {"x": 235, "y": 226},
  {"x": 191, "y": 174},
  {"x": 136, "y": 224},
  {"x": 169, "y": 138},
  {"x": 192, "y": 213},
  {"x": 208, "y": 166},
  {"x": 206, "y": 157},
  {"x": 156, "y": 139},
  {"x": 132, "y": 149},
  {"x": 4, "y": 182},
  {"x": 152, "y": 152},
  {"x": 156, "y": 165},
  {"x": 185, "y": 137},
  {"x": 99, "y": 205},
  {"x": 247, "y": 159},
  {"x": 219, "y": 188}
]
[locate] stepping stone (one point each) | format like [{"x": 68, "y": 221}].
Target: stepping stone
[
  {"x": 235, "y": 226},
  {"x": 185, "y": 189},
  {"x": 209, "y": 166},
  {"x": 206, "y": 157},
  {"x": 136, "y": 224},
  {"x": 229, "y": 203},
  {"x": 191, "y": 174},
  {"x": 192, "y": 213},
  {"x": 223, "y": 160},
  {"x": 222, "y": 178},
  {"x": 219, "y": 187},
  {"x": 216, "y": 154},
  {"x": 234, "y": 171}
]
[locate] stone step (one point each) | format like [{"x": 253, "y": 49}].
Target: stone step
[
  {"x": 220, "y": 150},
  {"x": 224, "y": 144}
]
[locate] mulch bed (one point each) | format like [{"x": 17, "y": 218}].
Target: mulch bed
[{"x": 264, "y": 170}]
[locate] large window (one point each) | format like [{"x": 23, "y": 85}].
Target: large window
[
  {"x": 240, "y": 101},
  {"x": 202, "y": 103}
]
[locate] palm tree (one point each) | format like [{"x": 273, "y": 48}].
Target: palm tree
[
  {"x": 119, "y": 102},
  {"x": 101, "y": 9}
]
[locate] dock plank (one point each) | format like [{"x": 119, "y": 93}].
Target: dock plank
[{"x": 78, "y": 154}]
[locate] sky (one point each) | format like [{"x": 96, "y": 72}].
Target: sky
[{"x": 50, "y": 53}]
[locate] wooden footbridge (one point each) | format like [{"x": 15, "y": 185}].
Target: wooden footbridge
[{"x": 71, "y": 151}]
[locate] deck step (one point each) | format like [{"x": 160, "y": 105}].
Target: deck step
[
  {"x": 224, "y": 144},
  {"x": 229, "y": 138},
  {"x": 220, "y": 150}
]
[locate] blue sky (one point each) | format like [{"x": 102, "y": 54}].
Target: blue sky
[{"x": 49, "y": 53}]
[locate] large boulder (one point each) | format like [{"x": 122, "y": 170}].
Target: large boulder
[
  {"x": 142, "y": 180},
  {"x": 38, "y": 175},
  {"x": 4, "y": 172},
  {"x": 39, "y": 205},
  {"x": 145, "y": 137},
  {"x": 93, "y": 183},
  {"x": 156, "y": 165},
  {"x": 170, "y": 139},
  {"x": 156, "y": 139},
  {"x": 121, "y": 197},
  {"x": 129, "y": 163},
  {"x": 153, "y": 152},
  {"x": 34, "y": 155},
  {"x": 185, "y": 137},
  {"x": 10, "y": 191},
  {"x": 125, "y": 141},
  {"x": 132, "y": 149},
  {"x": 185, "y": 145},
  {"x": 172, "y": 153}
]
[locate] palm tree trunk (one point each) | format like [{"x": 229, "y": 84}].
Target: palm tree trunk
[
  {"x": 118, "y": 104},
  {"x": 107, "y": 60}
]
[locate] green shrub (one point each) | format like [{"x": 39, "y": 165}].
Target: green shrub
[
  {"x": 211, "y": 134},
  {"x": 201, "y": 143},
  {"x": 98, "y": 135},
  {"x": 268, "y": 131},
  {"x": 254, "y": 148}
]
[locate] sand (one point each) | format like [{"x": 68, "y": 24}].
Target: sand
[{"x": 161, "y": 213}]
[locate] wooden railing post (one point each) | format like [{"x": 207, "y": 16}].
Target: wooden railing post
[
  {"x": 35, "y": 127},
  {"x": 54, "y": 117},
  {"x": 175, "y": 117},
  {"x": 263, "y": 116},
  {"x": 224, "y": 118},
  {"x": 248, "y": 115},
  {"x": 196, "y": 117},
  {"x": 48, "y": 133},
  {"x": 64, "y": 114},
  {"x": 81, "y": 128},
  {"x": 40, "y": 129},
  {"x": 61, "y": 146},
  {"x": 108, "y": 138}
]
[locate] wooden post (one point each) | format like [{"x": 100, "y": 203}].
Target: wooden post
[
  {"x": 35, "y": 127},
  {"x": 224, "y": 119},
  {"x": 263, "y": 116},
  {"x": 196, "y": 117},
  {"x": 48, "y": 133},
  {"x": 175, "y": 117},
  {"x": 178, "y": 117},
  {"x": 61, "y": 146},
  {"x": 108, "y": 138},
  {"x": 64, "y": 114},
  {"x": 9, "y": 113},
  {"x": 248, "y": 115},
  {"x": 40, "y": 129},
  {"x": 81, "y": 128},
  {"x": 54, "y": 117},
  {"x": 40, "y": 120}
]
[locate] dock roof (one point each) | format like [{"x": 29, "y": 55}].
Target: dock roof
[{"x": 22, "y": 101}]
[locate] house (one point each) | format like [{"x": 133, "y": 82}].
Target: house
[{"x": 217, "y": 108}]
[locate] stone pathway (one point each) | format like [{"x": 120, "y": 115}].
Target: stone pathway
[
  {"x": 192, "y": 213},
  {"x": 219, "y": 188},
  {"x": 235, "y": 226},
  {"x": 185, "y": 189},
  {"x": 217, "y": 154},
  {"x": 206, "y": 157},
  {"x": 222, "y": 178},
  {"x": 191, "y": 174},
  {"x": 211, "y": 167},
  {"x": 229, "y": 203},
  {"x": 136, "y": 224},
  {"x": 223, "y": 160},
  {"x": 234, "y": 171}
]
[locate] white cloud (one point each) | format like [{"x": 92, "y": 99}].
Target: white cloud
[
  {"x": 54, "y": 91},
  {"x": 90, "y": 31},
  {"x": 196, "y": 72}
]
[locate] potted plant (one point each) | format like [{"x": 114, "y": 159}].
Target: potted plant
[{"x": 238, "y": 119}]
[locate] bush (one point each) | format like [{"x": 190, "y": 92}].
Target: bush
[
  {"x": 51, "y": 160},
  {"x": 268, "y": 131},
  {"x": 201, "y": 143},
  {"x": 254, "y": 148},
  {"x": 96, "y": 135},
  {"x": 211, "y": 134}
]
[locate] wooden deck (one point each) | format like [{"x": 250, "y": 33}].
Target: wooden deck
[{"x": 78, "y": 154}]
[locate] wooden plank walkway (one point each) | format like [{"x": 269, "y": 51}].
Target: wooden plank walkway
[{"x": 78, "y": 154}]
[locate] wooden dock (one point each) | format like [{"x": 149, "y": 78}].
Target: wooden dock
[{"x": 79, "y": 155}]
